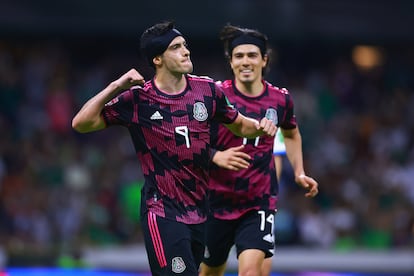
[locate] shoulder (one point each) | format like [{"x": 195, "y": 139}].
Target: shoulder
[
  {"x": 145, "y": 89},
  {"x": 276, "y": 89},
  {"x": 199, "y": 78},
  {"x": 137, "y": 88},
  {"x": 201, "y": 82},
  {"x": 224, "y": 85},
  {"x": 122, "y": 98},
  {"x": 147, "y": 86}
]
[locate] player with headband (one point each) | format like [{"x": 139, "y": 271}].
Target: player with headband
[
  {"x": 243, "y": 187},
  {"x": 169, "y": 120}
]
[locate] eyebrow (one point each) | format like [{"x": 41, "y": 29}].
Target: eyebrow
[
  {"x": 248, "y": 52},
  {"x": 183, "y": 42}
]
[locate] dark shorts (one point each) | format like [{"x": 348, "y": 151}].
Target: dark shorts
[
  {"x": 172, "y": 247},
  {"x": 254, "y": 230}
]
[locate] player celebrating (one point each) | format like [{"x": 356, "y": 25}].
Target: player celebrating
[
  {"x": 169, "y": 122},
  {"x": 243, "y": 200}
]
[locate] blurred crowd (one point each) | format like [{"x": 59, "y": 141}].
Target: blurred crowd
[{"x": 60, "y": 190}]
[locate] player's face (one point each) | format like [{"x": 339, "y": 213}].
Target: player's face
[
  {"x": 176, "y": 58},
  {"x": 247, "y": 63}
]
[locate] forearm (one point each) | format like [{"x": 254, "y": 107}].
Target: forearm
[
  {"x": 293, "y": 143},
  {"x": 89, "y": 117},
  {"x": 245, "y": 127}
]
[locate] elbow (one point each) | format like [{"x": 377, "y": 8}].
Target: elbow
[
  {"x": 79, "y": 126},
  {"x": 76, "y": 125}
]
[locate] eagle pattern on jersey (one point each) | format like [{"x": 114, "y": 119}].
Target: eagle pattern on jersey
[
  {"x": 234, "y": 193},
  {"x": 171, "y": 136}
]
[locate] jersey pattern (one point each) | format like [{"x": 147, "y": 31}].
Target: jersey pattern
[
  {"x": 171, "y": 136},
  {"x": 234, "y": 193}
]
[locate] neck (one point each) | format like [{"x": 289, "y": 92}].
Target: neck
[
  {"x": 170, "y": 83},
  {"x": 250, "y": 88}
]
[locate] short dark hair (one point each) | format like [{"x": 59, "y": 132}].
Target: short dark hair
[
  {"x": 232, "y": 36},
  {"x": 229, "y": 33},
  {"x": 155, "y": 40}
]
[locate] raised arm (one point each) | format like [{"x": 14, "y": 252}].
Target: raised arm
[{"x": 89, "y": 118}]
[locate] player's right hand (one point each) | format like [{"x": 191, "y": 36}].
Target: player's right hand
[
  {"x": 267, "y": 127},
  {"x": 129, "y": 79}
]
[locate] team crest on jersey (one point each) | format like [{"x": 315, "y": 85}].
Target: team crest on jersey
[
  {"x": 200, "y": 112},
  {"x": 271, "y": 114},
  {"x": 178, "y": 265}
]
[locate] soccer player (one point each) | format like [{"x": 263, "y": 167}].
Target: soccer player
[
  {"x": 243, "y": 187},
  {"x": 169, "y": 122}
]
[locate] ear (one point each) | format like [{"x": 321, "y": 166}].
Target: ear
[
  {"x": 231, "y": 63},
  {"x": 157, "y": 60},
  {"x": 265, "y": 60}
]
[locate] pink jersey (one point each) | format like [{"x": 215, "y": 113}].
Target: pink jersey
[
  {"x": 234, "y": 193},
  {"x": 171, "y": 135}
]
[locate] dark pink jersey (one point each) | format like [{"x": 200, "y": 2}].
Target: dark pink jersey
[
  {"x": 234, "y": 193},
  {"x": 171, "y": 135}
]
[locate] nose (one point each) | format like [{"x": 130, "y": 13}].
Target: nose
[
  {"x": 186, "y": 51},
  {"x": 245, "y": 60}
]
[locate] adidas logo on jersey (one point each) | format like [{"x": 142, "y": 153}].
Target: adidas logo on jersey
[{"x": 156, "y": 116}]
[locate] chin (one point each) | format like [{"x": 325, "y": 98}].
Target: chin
[
  {"x": 246, "y": 77},
  {"x": 246, "y": 80},
  {"x": 189, "y": 69}
]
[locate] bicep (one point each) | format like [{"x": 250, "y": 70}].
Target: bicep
[
  {"x": 83, "y": 126},
  {"x": 100, "y": 123},
  {"x": 235, "y": 126},
  {"x": 289, "y": 133}
]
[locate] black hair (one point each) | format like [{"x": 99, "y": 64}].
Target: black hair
[
  {"x": 155, "y": 40},
  {"x": 231, "y": 36}
]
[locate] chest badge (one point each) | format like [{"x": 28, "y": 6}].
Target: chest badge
[
  {"x": 271, "y": 114},
  {"x": 200, "y": 112}
]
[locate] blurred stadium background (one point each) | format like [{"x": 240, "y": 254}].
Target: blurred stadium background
[{"x": 71, "y": 201}]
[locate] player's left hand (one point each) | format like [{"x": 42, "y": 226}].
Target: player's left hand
[
  {"x": 308, "y": 183},
  {"x": 232, "y": 158}
]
